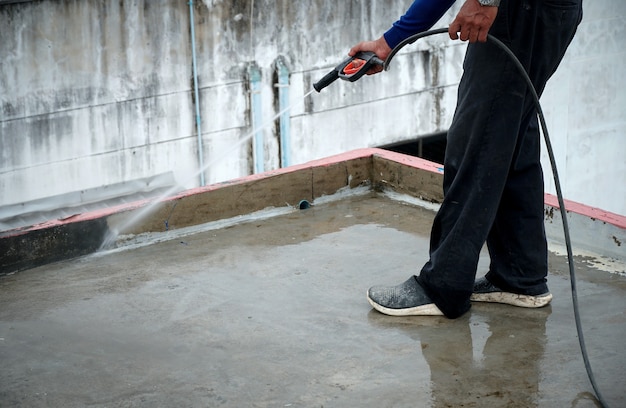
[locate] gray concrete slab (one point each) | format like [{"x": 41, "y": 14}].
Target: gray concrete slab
[{"x": 272, "y": 313}]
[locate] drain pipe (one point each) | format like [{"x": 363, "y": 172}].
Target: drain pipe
[
  {"x": 283, "y": 105},
  {"x": 254, "y": 74},
  {"x": 196, "y": 94}
]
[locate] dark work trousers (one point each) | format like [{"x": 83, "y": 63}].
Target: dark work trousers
[{"x": 493, "y": 181}]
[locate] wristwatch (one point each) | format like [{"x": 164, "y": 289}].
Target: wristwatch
[{"x": 492, "y": 3}]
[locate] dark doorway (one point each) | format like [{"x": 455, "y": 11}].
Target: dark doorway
[{"x": 430, "y": 147}]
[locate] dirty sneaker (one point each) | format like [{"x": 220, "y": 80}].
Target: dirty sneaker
[
  {"x": 406, "y": 299},
  {"x": 485, "y": 291}
]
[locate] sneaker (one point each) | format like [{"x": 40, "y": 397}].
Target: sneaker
[
  {"x": 406, "y": 299},
  {"x": 485, "y": 291}
]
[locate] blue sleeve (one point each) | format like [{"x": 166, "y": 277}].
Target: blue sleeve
[{"x": 421, "y": 16}]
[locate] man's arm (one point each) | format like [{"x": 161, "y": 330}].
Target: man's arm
[
  {"x": 421, "y": 16},
  {"x": 472, "y": 22}
]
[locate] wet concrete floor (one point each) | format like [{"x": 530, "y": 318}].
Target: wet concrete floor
[{"x": 272, "y": 313}]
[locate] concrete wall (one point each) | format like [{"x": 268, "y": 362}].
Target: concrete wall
[
  {"x": 585, "y": 108},
  {"x": 96, "y": 93},
  {"x": 97, "y": 96}
]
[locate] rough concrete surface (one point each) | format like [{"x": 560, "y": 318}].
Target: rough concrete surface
[{"x": 272, "y": 313}]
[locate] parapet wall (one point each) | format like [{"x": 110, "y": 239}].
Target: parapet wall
[{"x": 374, "y": 168}]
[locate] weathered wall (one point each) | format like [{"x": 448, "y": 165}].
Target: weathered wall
[
  {"x": 100, "y": 93},
  {"x": 585, "y": 108},
  {"x": 312, "y": 38},
  {"x": 96, "y": 94}
]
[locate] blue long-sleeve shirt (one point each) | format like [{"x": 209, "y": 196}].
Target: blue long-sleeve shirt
[{"x": 421, "y": 16}]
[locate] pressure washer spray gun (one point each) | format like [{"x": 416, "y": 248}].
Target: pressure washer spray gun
[{"x": 350, "y": 70}]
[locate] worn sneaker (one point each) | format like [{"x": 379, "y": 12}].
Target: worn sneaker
[
  {"x": 485, "y": 291},
  {"x": 406, "y": 299}
]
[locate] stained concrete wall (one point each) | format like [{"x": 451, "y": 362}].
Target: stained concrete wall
[
  {"x": 585, "y": 108},
  {"x": 97, "y": 96}
]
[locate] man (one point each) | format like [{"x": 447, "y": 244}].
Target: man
[{"x": 493, "y": 181}]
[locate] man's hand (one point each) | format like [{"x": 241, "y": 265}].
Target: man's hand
[
  {"x": 378, "y": 47},
  {"x": 472, "y": 22}
]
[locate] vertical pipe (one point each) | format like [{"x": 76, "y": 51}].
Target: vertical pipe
[
  {"x": 283, "y": 105},
  {"x": 196, "y": 94},
  {"x": 257, "y": 118}
]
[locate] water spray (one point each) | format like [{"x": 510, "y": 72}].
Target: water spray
[
  {"x": 350, "y": 70},
  {"x": 112, "y": 235}
]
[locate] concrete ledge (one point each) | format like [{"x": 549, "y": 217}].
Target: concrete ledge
[
  {"x": 85, "y": 233},
  {"x": 408, "y": 175},
  {"x": 40, "y": 246},
  {"x": 591, "y": 229}
]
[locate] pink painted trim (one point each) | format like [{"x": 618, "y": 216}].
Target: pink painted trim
[
  {"x": 410, "y": 161},
  {"x": 587, "y": 211},
  {"x": 326, "y": 161},
  {"x": 105, "y": 212},
  {"x": 549, "y": 199}
]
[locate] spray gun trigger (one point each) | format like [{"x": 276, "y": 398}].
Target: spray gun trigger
[{"x": 354, "y": 66}]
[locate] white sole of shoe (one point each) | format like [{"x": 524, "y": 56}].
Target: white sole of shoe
[
  {"x": 425, "y": 310},
  {"x": 513, "y": 299}
]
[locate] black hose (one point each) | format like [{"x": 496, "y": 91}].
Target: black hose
[{"x": 557, "y": 183}]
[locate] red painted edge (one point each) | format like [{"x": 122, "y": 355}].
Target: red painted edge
[
  {"x": 415, "y": 162},
  {"x": 410, "y": 161},
  {"x": 105, "y": 212},
  {"x": 587, "y": 211}
]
